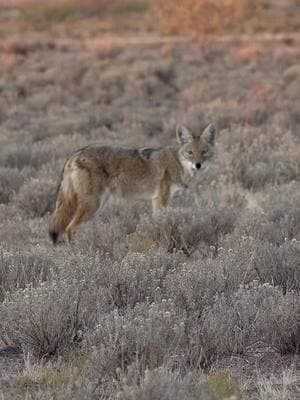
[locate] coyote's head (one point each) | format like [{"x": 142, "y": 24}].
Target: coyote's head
[{"x": 195, "y": 150}]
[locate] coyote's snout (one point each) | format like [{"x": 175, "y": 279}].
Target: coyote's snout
[{"x": 96, "y": 172}]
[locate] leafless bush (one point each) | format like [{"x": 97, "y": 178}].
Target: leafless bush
[{"x": 10, "y": 182}]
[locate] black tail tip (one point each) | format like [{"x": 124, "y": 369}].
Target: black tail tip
[{"x": 53, "y": 236}]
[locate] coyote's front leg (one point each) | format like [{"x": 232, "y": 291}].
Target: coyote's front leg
[{"x": 161, "y": 197}]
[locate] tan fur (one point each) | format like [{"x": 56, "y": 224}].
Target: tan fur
[{"x": 95, "y": 173}]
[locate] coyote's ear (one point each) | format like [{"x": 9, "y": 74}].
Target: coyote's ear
[
  {"x": 183, "y": 134},
  {"x": 209, "y": 134}
]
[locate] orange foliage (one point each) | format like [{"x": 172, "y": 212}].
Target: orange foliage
[
  {"x": 203, "y": 16},
  {"x": 8, "y": 61},
  {"x": 247, "y": 53}
]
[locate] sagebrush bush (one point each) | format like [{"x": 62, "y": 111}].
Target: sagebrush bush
[
  {"x": 46, "y": 320},
  {"x": 276, "y": 227},
  {"x": 139, "y": 278},
  {"x": 10, "y": 182},
  {"x": 278, "y": 265},
  {"x": 281, "y": 386},
  {"x": 258, "y": 158},
  {"x": 23, "y": 154},
  {"x": 37, "y": 196},
  {"x": 194, "y": 286},
  {"x": 246, "y": 258},
  {"x": 148, "y": 334},
  {"x": 186, "y": 229},
  {"x": 112, "y": 231},
  {"x": 18, "y": 270},
  {"x": 237, "y": 321},
  {"x": 279, "y": 322}
]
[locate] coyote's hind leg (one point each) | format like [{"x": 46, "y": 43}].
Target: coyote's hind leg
[{"x": 83, "y": 213}]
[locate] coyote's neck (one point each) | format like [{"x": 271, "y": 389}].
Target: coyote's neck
[{"x": 180, "y": 171}]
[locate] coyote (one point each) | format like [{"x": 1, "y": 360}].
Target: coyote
[{"x": 96, "y": 172}]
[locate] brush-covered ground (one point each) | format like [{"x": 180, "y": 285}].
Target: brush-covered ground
[{"x": 200, "y": 302}]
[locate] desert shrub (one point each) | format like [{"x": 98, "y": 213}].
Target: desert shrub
[
  {"x": 159, "y": 383},
  {"x": 261, "y": 99},
  {"x": 185, "y": 229},
  {"x": 218, "y": 195},
  {"x": 231, "y": 324},
  {"x": 279, "y": 321},
  {"x": 224, "y": 329},
  {"x": 104, "y": 238},
  {"x": 203, "y": 17},
  {"x": 139, "y": 278},
  {"x": 246, "y": 257},
  {"x": 10, "y": 182},
  {"x": 148, "y": 334},
  {"x": 37, "y": 195},
  {"x": 46, "y": 320},
  {"x": 277, "y": 226},
  {"x": 16, "y": 155},
  {"x": 18, "y": 270},
  {"x": 42, "y": 14},
  {"x": 194, "y": 286},
  {"x": 23, "y": 154},
  {"x": 278, "y": 265},
  {"x": 13, "y": 231},
  {"x": 109, "y": 232},
  {"x": 281, "y": 197},
  {"x": 259, "y": 158},
  {"x": 162, "y": 383},
  {"x": 238, "y": 321},
  {"x": 283, "y": 386}
]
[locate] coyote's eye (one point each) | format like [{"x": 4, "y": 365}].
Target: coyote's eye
[
  {"x": 190, "y": 152},
  {"x": 203, "y": 152}
]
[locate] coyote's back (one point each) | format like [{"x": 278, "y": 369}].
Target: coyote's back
[{"x": 95, "y": 173}]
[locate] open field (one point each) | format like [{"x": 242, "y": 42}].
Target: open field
[{"x": 199, "y": 303}]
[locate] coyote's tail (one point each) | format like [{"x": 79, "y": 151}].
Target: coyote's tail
[{"x": 65, "y": 208}]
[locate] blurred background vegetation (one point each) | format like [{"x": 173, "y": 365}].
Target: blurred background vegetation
[{"x": 196, "y": 17}]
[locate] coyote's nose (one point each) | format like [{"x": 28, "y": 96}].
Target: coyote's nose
[{"x": 198, "y": 165}]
